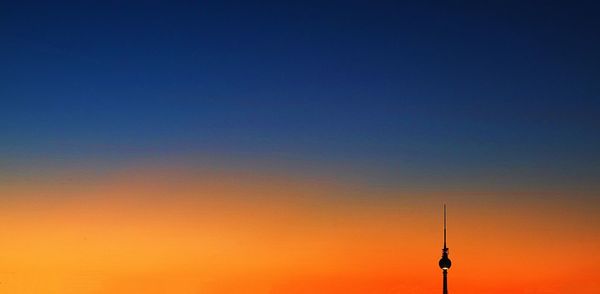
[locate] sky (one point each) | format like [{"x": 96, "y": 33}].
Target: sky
[{"x": 298, "y": 147}]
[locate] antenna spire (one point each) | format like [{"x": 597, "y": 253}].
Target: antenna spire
[{"x": 444, "y": 225}]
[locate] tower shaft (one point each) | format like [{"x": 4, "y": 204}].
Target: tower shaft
[{"x": 445, "y": 286}]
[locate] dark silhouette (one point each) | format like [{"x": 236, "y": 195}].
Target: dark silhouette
[{"x": 445, "y": 262}]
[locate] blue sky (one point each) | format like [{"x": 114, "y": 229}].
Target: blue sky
[{"x": 427, "y": 91}]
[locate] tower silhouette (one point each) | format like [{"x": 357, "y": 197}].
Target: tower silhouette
[{"x": 445, "y": 262}]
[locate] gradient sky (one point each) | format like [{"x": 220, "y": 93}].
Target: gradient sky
[{"x": 301, "y": 147}]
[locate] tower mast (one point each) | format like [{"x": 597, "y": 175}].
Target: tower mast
[{"x": 445, "y": 262}]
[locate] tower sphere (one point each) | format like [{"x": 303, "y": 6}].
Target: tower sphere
[{"x": 445, "y": 262}]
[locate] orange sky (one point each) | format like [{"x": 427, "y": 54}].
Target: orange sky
[{"x": 190, "y": 230}]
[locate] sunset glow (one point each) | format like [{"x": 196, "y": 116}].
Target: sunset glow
[{"x": 182, "y": 230}]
